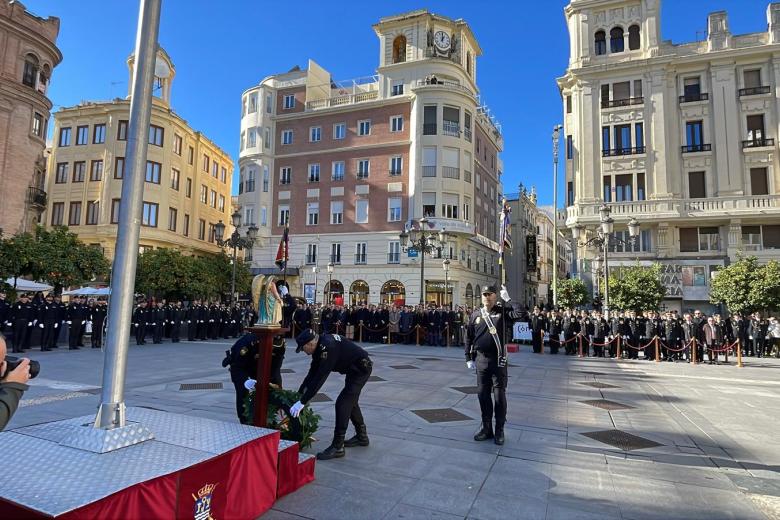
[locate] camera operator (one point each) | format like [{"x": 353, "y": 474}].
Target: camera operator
[{"x": 12, "y": 385}]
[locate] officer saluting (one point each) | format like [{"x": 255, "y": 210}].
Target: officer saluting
[
  {"x": 484, "y": 344},
  {"x": 335, "y": 353}
]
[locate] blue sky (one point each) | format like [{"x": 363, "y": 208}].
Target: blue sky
[{"x": 221, "y": 48}]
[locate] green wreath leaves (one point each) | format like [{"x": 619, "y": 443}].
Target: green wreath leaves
[{"x": 300, "y": 429}]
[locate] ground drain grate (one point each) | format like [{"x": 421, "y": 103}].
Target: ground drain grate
[
  {"x": 599, "y": 385},
  {"x": 466, "y": 389},
  {"x": 376, "y": 378},
  {"x": 441, "y": 415},
  {"x": 606, "y": 404},
  {"x": 200, "y": 386},
  {"x": 622, "y": 440},
  {"x": 92, "y": 391},
  {"x": 287, "y": 371},
  {"x": 404, "y": 367},
  {"x": 593, "y": 373},
  {"x": 429, "y": 359},
  {"x": 320, "y": 398}
]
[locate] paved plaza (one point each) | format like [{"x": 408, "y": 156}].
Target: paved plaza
[{"x": 586, "y": 438}]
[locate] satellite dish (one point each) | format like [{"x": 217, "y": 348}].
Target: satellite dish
[{"x": 161, "y": 69}]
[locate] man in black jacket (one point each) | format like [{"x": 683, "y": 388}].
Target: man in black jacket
[
  {"x": 335, "y": 353},
  {"x": 22, "y": 316},
  {"x": 139, "y": 323},
  {"x": 98, "y": 317},
  {"x": 538, "y": 326}
]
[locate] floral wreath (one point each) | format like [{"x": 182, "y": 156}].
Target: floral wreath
[{"x": 300, "y": 429}]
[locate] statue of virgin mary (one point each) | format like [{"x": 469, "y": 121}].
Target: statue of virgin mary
[{"x": 267, "y": 301}]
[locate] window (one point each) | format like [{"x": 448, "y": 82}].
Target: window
[
  {"x": 361, "y": 211},
  {"x": 119, "y": 168},
  {"x": 201, "y": 229},
  {"x": 314, "y": 173},
  {"x": 624, "y": 188},
  {"x": 266, "y": 178},
  {"x": 79, "y": 171},
  {"x": 284, "y": 215},
  {"x": 570, "y": 193},
  {"x": 640, "y": 188},
  {"x": 190, "y": 156},
  {"x": 186, "y": 226},
  {"x": 177, "y": 144},
  {"x": 215, "y": 169},
  {"x": 692, "y": 89},
  {"x": 709, "y": 239},
  {"x": 337, "y": 212},
  {"x": 287, "y": 136},
  {"x": 696, "y": 185},
  {"x": 639, "y": 137},
  {"x": 96, "y": 170},
  {"x": 429, "y": 161},
  {"x": 363, "y": 168},
  {"x": 449, "y": 205},
  {"x": 263, "y": 216},
  {"x": 364, "y": 127},
  {"x": 394, "y": 252},
  {"x": 616, "y": 40},
  {"x": 335, "y": 253},
  {"x": 361, "y": 255},
  {"x": 206, "y": 162},
  {"x": 755, "y": 128},
  {"x": 156, "y": 135},
  {"x": 61, "y": 176},
  {"x": 204, "y": 193},
  {"x": 57, "y": 213},
  {"x": 397, "y": 123},
  {"x": 99, "y": 134},
  {"x": 289, "y": 101},
  {"x": 64, "y": 137},
  {"x": 568, "y": 105},
  {"x": 149, "y": 216},
  {"x": 285, "y": 175},
  {"x": 213, "y": 199},
  {"x": 467, "y": 125},
  {"x": 694, "y": 133},
  {"x": 759, "y": 184},
  {"x": 605, "y": 140},
  {"x": 466, "y": 209},
  {"x": 569, "y": 147},
  {"x": 398, "y": 88},
  {"x": 751, "y": 238},
  {"x": 251, "y": 138},
  {"x": 121, "y": 130},
  {"x": 315, "y": 134},
  {"x": 37, "y": 128},
  {"x": 396, "y": 165},
  {"x": 394, "y": 209},
  {"x": 623, "y": 139},
  {"x": 252, "y": 104},
  {"x": 339, "y": 131},
  {"x": 153, "y": 170},
  {"x": 430, "y": 117},
  {"x": 173, "y": 215},
  {"x": 175, "y": 175},
  {"x": 752, "y": 78},
  {"x": 223, "y": 175},
  {"x": 74, "y": 214},
  {"x": 250, "y": 181},
  {"x": 399, "y": 49},
  {"x": 93, "y": 213},
  {"x": 30, "y": 72},
  {"x": 221, "y": 204},
  {"x": 311, "y": 254},
  {"x": 451, "y": 121},
  {"x": 770, "y": 236},
  {"x": 312, "y": 213},
  {"x": 115, "y": 203},
  {"x": 600, "y": 42},
  {"x": 188, "y": 188},
  {"x": 82, "y": 135},
  {"x": 268, "y": 103},
  {"x": 634, "y": 40},
  {"x": 337, "y": 171},
  {"x": 267, "y": 139},
  {"x": 429, "y": 204},
  {"x": 608, "y": 189},
  {"x": 212, "y": 232},
  {"x": 249, "y": 215}
]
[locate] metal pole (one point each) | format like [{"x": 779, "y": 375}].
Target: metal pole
[
  {"x": 233, "y": 277},
  {"x": 315, "y": 285},
  {"x": 606, "y": 274},
  {"x": 111, "y": 412},
  {"x": 422, "y": 269},
  {"x": 555, "y": 217}
]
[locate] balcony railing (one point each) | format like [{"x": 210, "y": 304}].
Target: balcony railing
[
  {"x": 691, "y": 148},
  {"x": 466, "y": 175},
  {"x": 311, "y": 259},
  {"x": 429, "y": 129},
  {"x": 337, "y": 177},
  {"x": 467, "y": 133},
  {"x": 451, "y": 128},
  {"x": 347, "y": 99},
  {"x": 429, "y": 171},
  {"x": 335, "y": 259},
  {"x": 395, "y": 173},
  {"x": 36, "y": 197},
  {"x": 758, "y": 143},
  {"x": 690, "y": 98},
  {"x": 618, "y": 152},
  {"x": 361, "y": 175},
  {"x": 622, "y": 102},
  {"x": 450, "y": 172},
  {"x": 754, "y": 91},
  {"x": 393, "y": 258},
  {"x": 361, "y": 259}
]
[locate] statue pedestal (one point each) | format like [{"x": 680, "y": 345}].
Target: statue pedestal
[{"x": 265, "y": 345}]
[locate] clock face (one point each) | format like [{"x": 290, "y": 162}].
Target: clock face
[{"x": 442, "y": 40}]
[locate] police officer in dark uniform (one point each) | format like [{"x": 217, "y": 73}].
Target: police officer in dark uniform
[
  {"x": 139, "y": 323},
  {"x": 48, "y": 314},
  {"x": 242, "y": 359},
  {"x": 22, "y": 316},
  {"x": 538, "y": 328},
  {"x": 335, "y": 353},
  {"x": 5, "y": 312},
  {"x": 177, "y": 315},
  {"x": 489, "y": 359},
  {"x": 98, "y": 317},
  {"x": 556, "y": 329}
]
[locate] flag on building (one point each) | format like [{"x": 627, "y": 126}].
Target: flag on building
[
  {"x": 505, "y": 239},
  {"x": 283, "y": 253}
]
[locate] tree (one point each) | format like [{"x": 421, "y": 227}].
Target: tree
[
  {"x": 745, "y": 286},
  {"x": 65, "y": 261},
  {"x": 765, "y": 289},
  {"x": 636, "y": 288},
  {"x": 19, "y": 256},
  {"x": 571, "y": 292}
]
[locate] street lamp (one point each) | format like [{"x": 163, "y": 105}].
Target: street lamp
[
  {"x": 416, "y": 237},
  {"x": 446, "y": 266},
  {"x": 236, "y": 242},
  {"x": 315, "y": 270},
  {"x": 602, "y": 241},
  {"x": 556, "y": 141},
  {"x": 330, "y": 277}
]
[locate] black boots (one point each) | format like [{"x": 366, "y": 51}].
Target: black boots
[
  {"x": 360, "y": 438},
  {"x": 499, "y": 437},
  {"x": 334, "y": 451},
  {"x": 485, "y": 433}
]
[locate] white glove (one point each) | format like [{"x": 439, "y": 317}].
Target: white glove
[
  {"x": 470, "y": 365},
  {"x": 40, "y": 325},
  {"x": 283, "y": 291},
  {"x": 135, "y": 324},
  {"x": 56, "y": 325},
  {"x": 249, "y": 384},
  {"x": 29, "y": 324},
  {"x": 295, "y": 410},
  {"x": 35, "y": 322},
  {"x": 504, "y": 294},
  {"x": 154, "y": 324},
  {"x": 83, "y": 322}
]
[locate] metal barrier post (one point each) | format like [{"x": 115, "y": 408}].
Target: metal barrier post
[
  {"x": 694, "y": 348},
  {"x": 447, "y": 332},
  {"x": 726, "y": 353},
  {"x": 579, "y": 341},
  {"x": 739, "y": 353},
  {"x": 657, "y": 351},
  {"x": 618, "y": 346}
]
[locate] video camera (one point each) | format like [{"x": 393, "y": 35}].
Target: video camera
[{"x": 12, "y": 362}]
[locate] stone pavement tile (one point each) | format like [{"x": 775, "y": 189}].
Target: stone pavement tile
[
  {"x": 448, "y": 496},
  {"x": 523, "y": 478},
  {"x": 505, "y": 506},
  {"x": 407, "y": 512},
  {"x": 324, "y": 503},
  {"x": 342, "y": 475},
  {"x": 687, "y": 474},
  {"x": 566, "y": 510},
  {"x": 570, "y": 482}
]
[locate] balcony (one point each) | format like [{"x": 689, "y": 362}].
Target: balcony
[
  {"x": 449, "y": 172},
  {"x": 36, "y": 197},
  {"x": 623, "y": 102},
  {"x": 429, "y": 129},
  {"x": 362, "y": 175},
  {"x": 692, "y": 148},
  {"x": 395, "y": 173},
  {"x": 393, "y": 258},
  {"x": 691, "y": 98},
  {"x": 429, "y": 171},
  {"x": 754, "y": 91},
  {"x": 435, "y": 83},
  {"x": 335, "y": 259},
  {"x": 758, "y": 143},
  {"x": 467, "y": 134},
  {"x": 346, "y": 99},
  {"x": 451, "y": 128},
  {"x": 619, "y": 152},
  {"x": 467, "y": 176},
  {"x": 361, "y": 259}
]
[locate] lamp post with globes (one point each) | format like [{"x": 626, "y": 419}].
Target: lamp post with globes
[
  {"x": 315, "y": 270},
  {"x": 556, "y": 140},
  {"x": 446, "y": 266},
  {"x": 330, "y": 279},
  {"x": 236, "y": 242},
  {"x": 416, "y": 237},
  {"x": 602, "y": 241}
]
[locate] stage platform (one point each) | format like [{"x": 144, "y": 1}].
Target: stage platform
[{"x": 193, "y": 468}]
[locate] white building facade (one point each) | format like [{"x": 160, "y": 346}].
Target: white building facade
[{"x": 682, "y": 137}]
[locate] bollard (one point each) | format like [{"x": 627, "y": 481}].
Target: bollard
[
  {"x": 657, "y": 351},
  {"x": 726, "y": 353},
  {"x": 693, "y": 350},
  {"x": 388, "y": 335},
  {"x": 618, "y": 346},
  {"x": 739, "y": 353}
]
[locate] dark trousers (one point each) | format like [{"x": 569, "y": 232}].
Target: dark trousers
[
  {"x": 537, "y": 338},
  {"x": 157, "y": 332},
  {"x": 175, "y": 332},
  {"x": 347, "y": 405},
  {"x": 191, "y": 327},
  {"x": 277, "y": 358},
  {"x": 21, "y": 335},
  {"x": 97, "y": 334},
  {"x": 241, "y": 392},
  {"x": 555, "y": 343},
  {"x": 571, "y": 346},
  {"x": 491, "y": 389},
  {"x": 48, "y": 336},
  {"x": 200, "y": 330},
  {"x": 140, "y": 333},
  {"x": 74, "y": 334}
]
